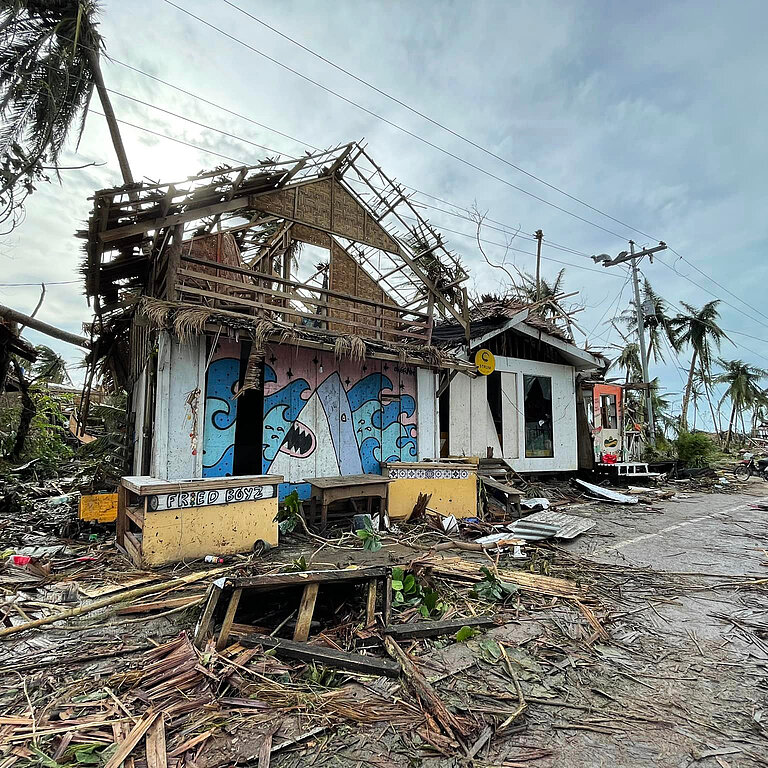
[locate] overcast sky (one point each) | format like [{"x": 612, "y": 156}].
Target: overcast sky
[{"x": 654, "y": 113}]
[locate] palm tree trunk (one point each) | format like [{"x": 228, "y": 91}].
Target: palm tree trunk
[
  {"x": 109, "y": 113},
  {"x": 28, "y": 411},
  {"x": 730, "y": 425},
  {"x": 715, "y": 420},
  {"x": 687, "y": 393}
]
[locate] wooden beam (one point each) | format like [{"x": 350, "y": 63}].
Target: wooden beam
[
  {"x": 276, "y": 279},
  {"x": 307, "y": 577},
  {"x": 350, "y": 662}
]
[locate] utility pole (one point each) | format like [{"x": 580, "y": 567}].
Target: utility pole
[
  {"x": 635, "y": 258},
  {"x": 539, "y": 235},
  {"x": 643, "y": 351}
]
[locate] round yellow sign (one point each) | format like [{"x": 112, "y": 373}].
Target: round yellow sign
[{"x": 485, "y": 362}]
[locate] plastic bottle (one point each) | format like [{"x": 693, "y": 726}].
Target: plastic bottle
[{"x": 213, "y": 559}]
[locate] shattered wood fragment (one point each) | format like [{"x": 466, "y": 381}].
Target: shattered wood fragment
[
  {"x": 350, "y": 662},
  {"x": 452, "y": 725},
  {"x": 155, "y": 744}
]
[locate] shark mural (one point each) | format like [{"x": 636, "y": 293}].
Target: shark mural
[
  {"x": 322, "y": 416},
  {"x": 327, "y": 417}
]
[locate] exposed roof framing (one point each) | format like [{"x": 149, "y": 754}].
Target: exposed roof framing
[{"x": 371, "y": 217}]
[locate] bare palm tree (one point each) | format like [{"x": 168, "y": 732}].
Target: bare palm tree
[
  {"x": 697, "y": 329},
  {"x": 743, "y": 390},
  {"x": 49, "y": 67}
]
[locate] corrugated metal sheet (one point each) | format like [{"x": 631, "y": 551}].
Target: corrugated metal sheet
[{"x": 565, "y": 526}]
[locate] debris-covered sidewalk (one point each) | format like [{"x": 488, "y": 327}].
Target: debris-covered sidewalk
[{"x": 622, "y": 645}]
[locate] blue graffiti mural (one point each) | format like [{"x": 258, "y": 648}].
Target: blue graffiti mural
[{"x": 221, "y": 412}]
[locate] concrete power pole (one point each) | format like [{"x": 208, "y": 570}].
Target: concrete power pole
[
  {"x": 643, "y": 350},
  {"x": 634, "y": 258}
]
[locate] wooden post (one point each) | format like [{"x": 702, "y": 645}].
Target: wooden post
[
  {"x": 370, "y": 605},
  {"x": 229, "y": 618},
  {"x": 174, "y": 262},
  {"x": 306, "y": 609}
]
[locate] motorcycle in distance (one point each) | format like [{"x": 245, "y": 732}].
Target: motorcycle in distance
[{"x": 748, "y": 467}]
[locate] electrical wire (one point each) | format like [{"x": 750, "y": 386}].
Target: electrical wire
[
  {"x": 391, "y": 123},
  {"x": 434, "y": 122},
  {"x": 39, "y": 282}
]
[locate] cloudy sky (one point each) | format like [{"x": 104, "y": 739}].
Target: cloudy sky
[{"x": 653, "y": 113}]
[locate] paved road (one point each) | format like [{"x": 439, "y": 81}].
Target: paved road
[{"x": 704, "y": 533}]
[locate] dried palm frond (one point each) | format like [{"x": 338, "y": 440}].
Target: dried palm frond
[
  {"x": 352, "y": 347},
  {"x": 190, "y": 322},
  {"x": 155, "y": 311}
]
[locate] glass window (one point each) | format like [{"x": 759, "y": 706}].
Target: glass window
[
  {"x": 538, "y": 417},
  {"x": 608, "y": 415}
]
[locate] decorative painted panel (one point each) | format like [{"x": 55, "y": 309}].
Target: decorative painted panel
[
  {"x": 221, "y": 409},
  {"x": 325, "y": 417}
]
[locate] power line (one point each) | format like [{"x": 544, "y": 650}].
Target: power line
[
  {"x": 391, "y": 123},
  {"x": 504, "y": 228},
  {"x": 39, "y": 282},
  {"x": 719, "y": 285},
  {"x": 434, "y": 122}
]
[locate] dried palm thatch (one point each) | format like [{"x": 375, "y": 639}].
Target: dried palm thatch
[
  {"x": 188, "y": 323},
  {"x": 352, "y": 347},
  {"x": 155, "y": 311}
]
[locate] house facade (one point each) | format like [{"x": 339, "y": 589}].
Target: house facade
[{"x": 525, "y": 409}]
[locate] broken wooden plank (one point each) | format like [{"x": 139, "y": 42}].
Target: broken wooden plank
[
  {"x": 350, "y": 662},
  {"x": 370, "y": 603},
  {"x": 133, "y": 738},
  {"x": 306, "y": 577},
  {"x": 450, "y": 723},
  {"x": 214, "y": 593},
  {"x": 157, "y": 756},
  {"x": 306, "y": 611},
  {"x": 229, "y": 618},
  {"x": 419, "y": 629}
]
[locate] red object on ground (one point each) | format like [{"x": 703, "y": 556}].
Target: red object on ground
[{"x": 20, "y": 559}]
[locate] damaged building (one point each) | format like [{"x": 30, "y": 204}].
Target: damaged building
[{"x": 273, "y": 319}]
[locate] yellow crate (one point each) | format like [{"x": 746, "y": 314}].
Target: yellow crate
[{"x": 99, "y": 507}]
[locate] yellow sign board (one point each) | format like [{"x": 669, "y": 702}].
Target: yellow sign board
[
  {"x": 99, "y": 507},
  {"x": 485, "y": 362}
]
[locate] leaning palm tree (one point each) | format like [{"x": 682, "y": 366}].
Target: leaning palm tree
[
  {"x": 49, "y": 67},
  {"x": 697, "y": 329},
  {"x": 50, "y": 367},
  {"x": 742, "y": 388}
]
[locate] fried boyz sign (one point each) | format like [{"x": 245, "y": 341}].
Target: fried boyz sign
[{"x": 186, "y": 499}]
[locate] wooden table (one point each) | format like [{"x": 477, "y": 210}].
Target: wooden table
[
  {"x": 309, "y": 580},
  {"x": 326, "y": 490}
]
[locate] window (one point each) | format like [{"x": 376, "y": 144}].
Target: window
[
  {"x": 608, "y": 414},
  {"x": 538, "y": 417}
]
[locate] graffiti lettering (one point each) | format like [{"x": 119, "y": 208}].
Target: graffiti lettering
[{"x": 188, "y": 499}]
